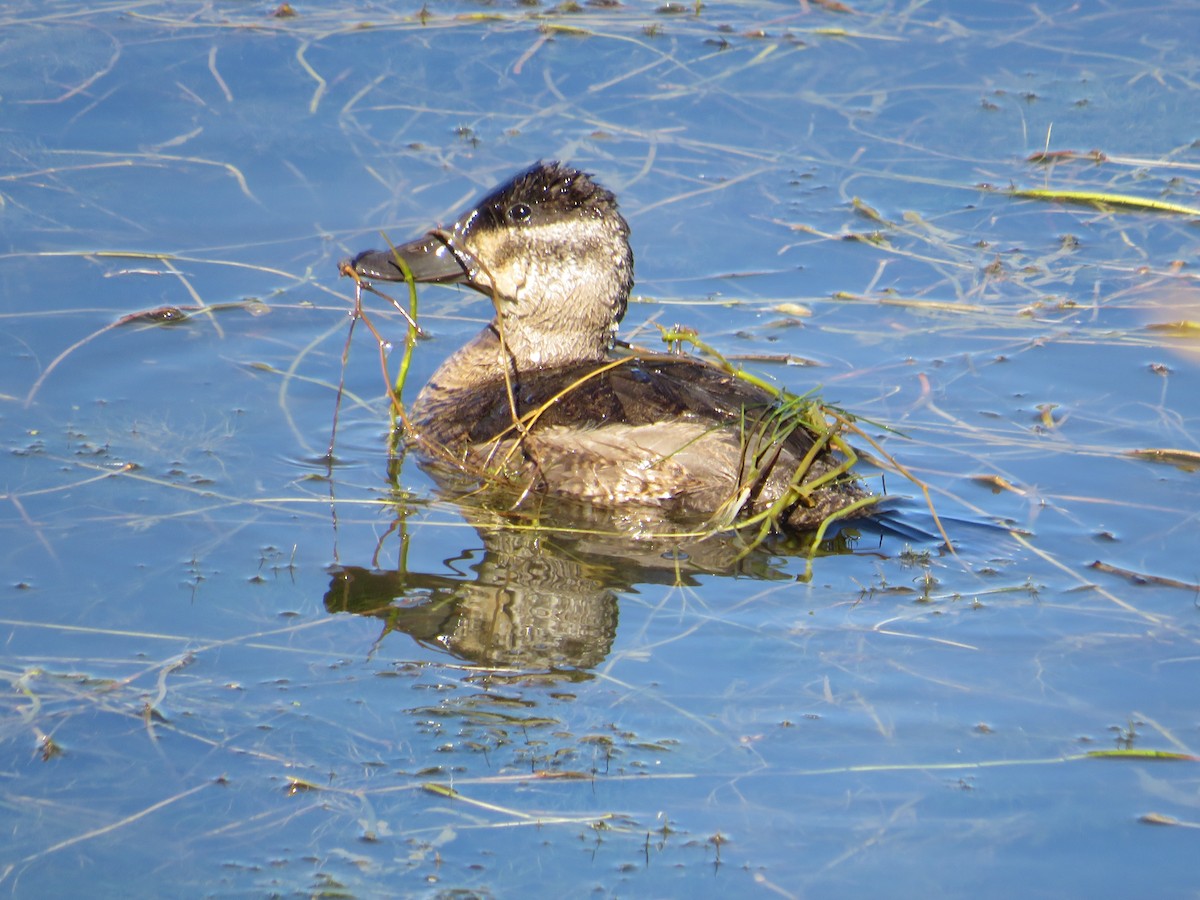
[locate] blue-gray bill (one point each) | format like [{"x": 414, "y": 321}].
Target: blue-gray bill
[{"x": 429, "y": 258}]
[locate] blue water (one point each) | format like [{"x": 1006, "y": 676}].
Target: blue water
[{"x": 197, "y": 704}]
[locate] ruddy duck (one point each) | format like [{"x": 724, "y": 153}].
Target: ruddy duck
[{"x": 539, "y": 400}]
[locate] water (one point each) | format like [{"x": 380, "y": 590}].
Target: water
[{"x": 200, "y": 703}]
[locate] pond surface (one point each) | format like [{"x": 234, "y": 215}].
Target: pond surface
[{"x": 200, "y": 698}]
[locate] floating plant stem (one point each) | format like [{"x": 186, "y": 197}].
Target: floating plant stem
[
  {"x": 678, "y": 336},
  {"x": 410, "y": 337},
  {"x": 1103, "y": 198}
]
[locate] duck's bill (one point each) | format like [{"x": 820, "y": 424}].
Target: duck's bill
[{"x": 428, "y": 258}]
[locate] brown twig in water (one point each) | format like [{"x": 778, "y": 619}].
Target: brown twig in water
[{"x": 1141, "y": 578}]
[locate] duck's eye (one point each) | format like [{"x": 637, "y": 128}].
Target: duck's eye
[{"x": 519, "y": 212}]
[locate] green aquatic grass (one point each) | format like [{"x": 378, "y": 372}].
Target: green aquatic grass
[{"x": 1103, "y": 200}]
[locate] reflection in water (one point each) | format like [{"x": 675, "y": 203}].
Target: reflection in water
[
  {"x": 545, "y": 597},
  {"x": 528, "y": 606}
]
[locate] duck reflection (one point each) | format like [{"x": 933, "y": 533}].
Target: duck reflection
[{"x": 546, "y": 598}]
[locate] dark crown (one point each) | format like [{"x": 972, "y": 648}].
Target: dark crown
[{"x": 544, "y": 192}]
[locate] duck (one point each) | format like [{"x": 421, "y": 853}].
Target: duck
[{"x": 545, "y": 401}]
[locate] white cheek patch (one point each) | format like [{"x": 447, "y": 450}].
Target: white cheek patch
[{"x": 510, "y": 288}]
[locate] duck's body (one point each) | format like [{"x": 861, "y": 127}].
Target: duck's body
[{"x": 538, "y": 399}]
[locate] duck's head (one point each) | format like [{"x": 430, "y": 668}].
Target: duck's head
[{"x": 552, "y": 251}]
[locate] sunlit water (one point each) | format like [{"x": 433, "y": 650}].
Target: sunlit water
[{"x": 197, "y": 703}]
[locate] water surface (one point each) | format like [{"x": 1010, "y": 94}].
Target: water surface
[{"x": 199, "y": 704}]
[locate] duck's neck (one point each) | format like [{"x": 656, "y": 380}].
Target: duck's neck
[{"x": 487, "y": 360}]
